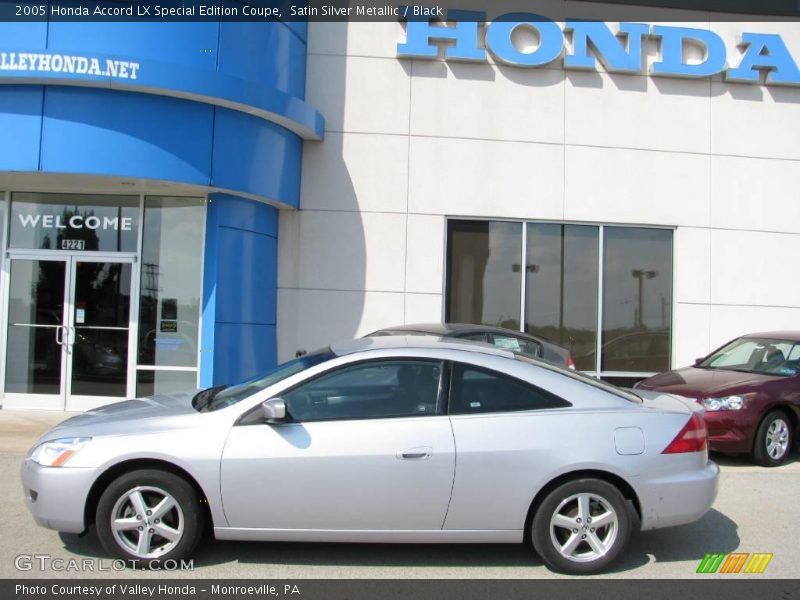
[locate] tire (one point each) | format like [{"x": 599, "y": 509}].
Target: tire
[
  {"x": 148, "y": 532},
  {"x": 563, "y": 517},
  {"x": 773, "y": 442}
]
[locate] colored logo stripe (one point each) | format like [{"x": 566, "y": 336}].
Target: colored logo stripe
[
  {"x": 735, "y": 562},
  {"x": 710, "y": 563},
  {"x": 758, "y": 563}
]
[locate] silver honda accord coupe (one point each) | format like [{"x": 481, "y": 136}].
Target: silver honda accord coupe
[{"x": 389, "y": 439}]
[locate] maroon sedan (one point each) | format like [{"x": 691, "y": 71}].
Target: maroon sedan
[{"x": 750, "y": 388}]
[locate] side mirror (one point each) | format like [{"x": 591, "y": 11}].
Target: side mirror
[{"x": 274, "y": 410}]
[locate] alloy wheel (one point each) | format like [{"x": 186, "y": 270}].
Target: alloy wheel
[
  {"x": 777, "y": 439},
  {"x": 147, "y": 522},
  {"x": 584, "y": 527}
]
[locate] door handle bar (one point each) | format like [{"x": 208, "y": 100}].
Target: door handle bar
[{"x": 416, "y": 453}]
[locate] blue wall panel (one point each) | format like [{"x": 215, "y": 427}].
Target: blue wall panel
[
  {"x": 273, "y": 157},
  {"x": 253, "y": 52},
  {"x": 241, "y": 213},
  {"x": 106, "y": 132},
  {"x": 21, "y": 127},
  {"x": 246, "y": 278},
  {"x": 23, "y": 35},
  {"x": 184, "y": 43},
  {"x": 239, "y": 290},
  {"x": 243, "y": 351}
]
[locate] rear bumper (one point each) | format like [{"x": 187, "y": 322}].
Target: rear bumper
[
  {"x": 677, "y": 499},
  {"x": 56, "y": 496}
]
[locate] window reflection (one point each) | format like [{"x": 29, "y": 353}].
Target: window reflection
[
  {"x": 637, "y": 299},
  {"x": 561, "y": 287},
  {"x": 563, "y": 282},
  {"x": 484, "y": 272},
  {"x": 172, "y": 249},
  {"x": 149, "y": 383}
]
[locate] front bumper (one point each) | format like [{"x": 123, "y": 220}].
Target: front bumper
[
  {"x": 56, "y": 496},
  {"x": 680, "y": 498},
  {"x": 731, "y": 430}
]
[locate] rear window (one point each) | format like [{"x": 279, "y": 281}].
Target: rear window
[{"x": 476, "y": 390}]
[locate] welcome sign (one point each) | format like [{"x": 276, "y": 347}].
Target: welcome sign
[{"x": 620, "y": 52}]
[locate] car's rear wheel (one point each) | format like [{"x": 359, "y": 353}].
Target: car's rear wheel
[
  {"x": 581, "y": 527},
  {"x": 149, "y": 515},
  {"x": 773, "y": 439}
]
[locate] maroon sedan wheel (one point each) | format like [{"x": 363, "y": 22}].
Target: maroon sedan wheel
[{"x": 773, "y": 439}]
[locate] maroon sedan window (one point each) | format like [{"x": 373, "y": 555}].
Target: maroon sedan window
[{"x": 757, "y": 355}]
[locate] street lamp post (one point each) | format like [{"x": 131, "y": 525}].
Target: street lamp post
[{"x": 641, "y": 275}]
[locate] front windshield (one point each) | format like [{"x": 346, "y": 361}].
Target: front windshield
[
  {"x": 221, "y": 397},
  {"x": 757, "y": 355}
]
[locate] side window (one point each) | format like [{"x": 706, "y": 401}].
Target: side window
[
  {"x": 515, "y": 344},
  {"x": 368, "y": 390},
  {"x": 475, "y": 390}
]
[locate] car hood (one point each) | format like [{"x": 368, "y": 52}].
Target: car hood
[
  {"x": 694, "y": 382},
  {"x": 141, "y": 415}
]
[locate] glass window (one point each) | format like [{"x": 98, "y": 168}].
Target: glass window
[
  {"x": 370, "y": 390},
  {"x": 517, "y": 344},
  {"x": 169, "y": 309},
  {"x": 475, "y": 337},
  {"x": 476, "y": 390},
  {"x": 230, "y": 395},
  {"x": 483, "y": 283},
  {"x": 561, "y": 282},
  {"x": 149, "y": 383},
  {"x": 637, "y": 299},
  {"x": 749, "y": 355},
  {"x": 35, "y": 315},
  {"x": 74, "y": 222},
  {"x": 563, "y": 285}
]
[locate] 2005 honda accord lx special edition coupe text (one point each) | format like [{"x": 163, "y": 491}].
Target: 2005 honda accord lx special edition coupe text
[{"x": 389, "y": 439}]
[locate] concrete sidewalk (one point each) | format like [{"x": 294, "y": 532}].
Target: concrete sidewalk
[{"x": 19, "y": 429}]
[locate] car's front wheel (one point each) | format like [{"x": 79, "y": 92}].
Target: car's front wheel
[
  {"x": 773, "y": 439},
  {"x": 581, "y": 527},
  {"x": 148, "y": 515}
]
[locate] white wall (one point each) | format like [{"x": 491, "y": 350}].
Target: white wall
[{"x": 410, "y": 142}]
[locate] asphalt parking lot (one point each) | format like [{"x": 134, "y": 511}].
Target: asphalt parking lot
[{"x": 756, "y": 511}]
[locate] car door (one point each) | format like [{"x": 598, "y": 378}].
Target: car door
[
  {"x": 367, "y": 448},
  {"x": 509, "y": 434}
]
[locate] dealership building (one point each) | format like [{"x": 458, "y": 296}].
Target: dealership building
[{"x": 187, "y": 204}]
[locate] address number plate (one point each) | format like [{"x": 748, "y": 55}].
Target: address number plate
[{"x": 73, "y": 244}]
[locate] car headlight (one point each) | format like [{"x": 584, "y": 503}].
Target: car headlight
[
  {"x": 56, "y": 453},
  {"x": 737, "y": 402}
]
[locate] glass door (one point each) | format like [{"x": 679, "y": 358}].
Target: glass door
[
  {"x": 98, "y": 326},
  {"x": 69, "y": 331},
  {"x": 35, "y": 356}
]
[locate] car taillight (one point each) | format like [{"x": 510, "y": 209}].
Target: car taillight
[
  {"x": 692, "y": 438},
  {"x": 570, "y": 362}
]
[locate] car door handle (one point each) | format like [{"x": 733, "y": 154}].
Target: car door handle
[{"x": 420, "y": 453}]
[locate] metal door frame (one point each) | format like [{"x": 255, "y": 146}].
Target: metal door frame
[
  {"x": 64, "y": 400},
  {"x": 73, "y": 402}
]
